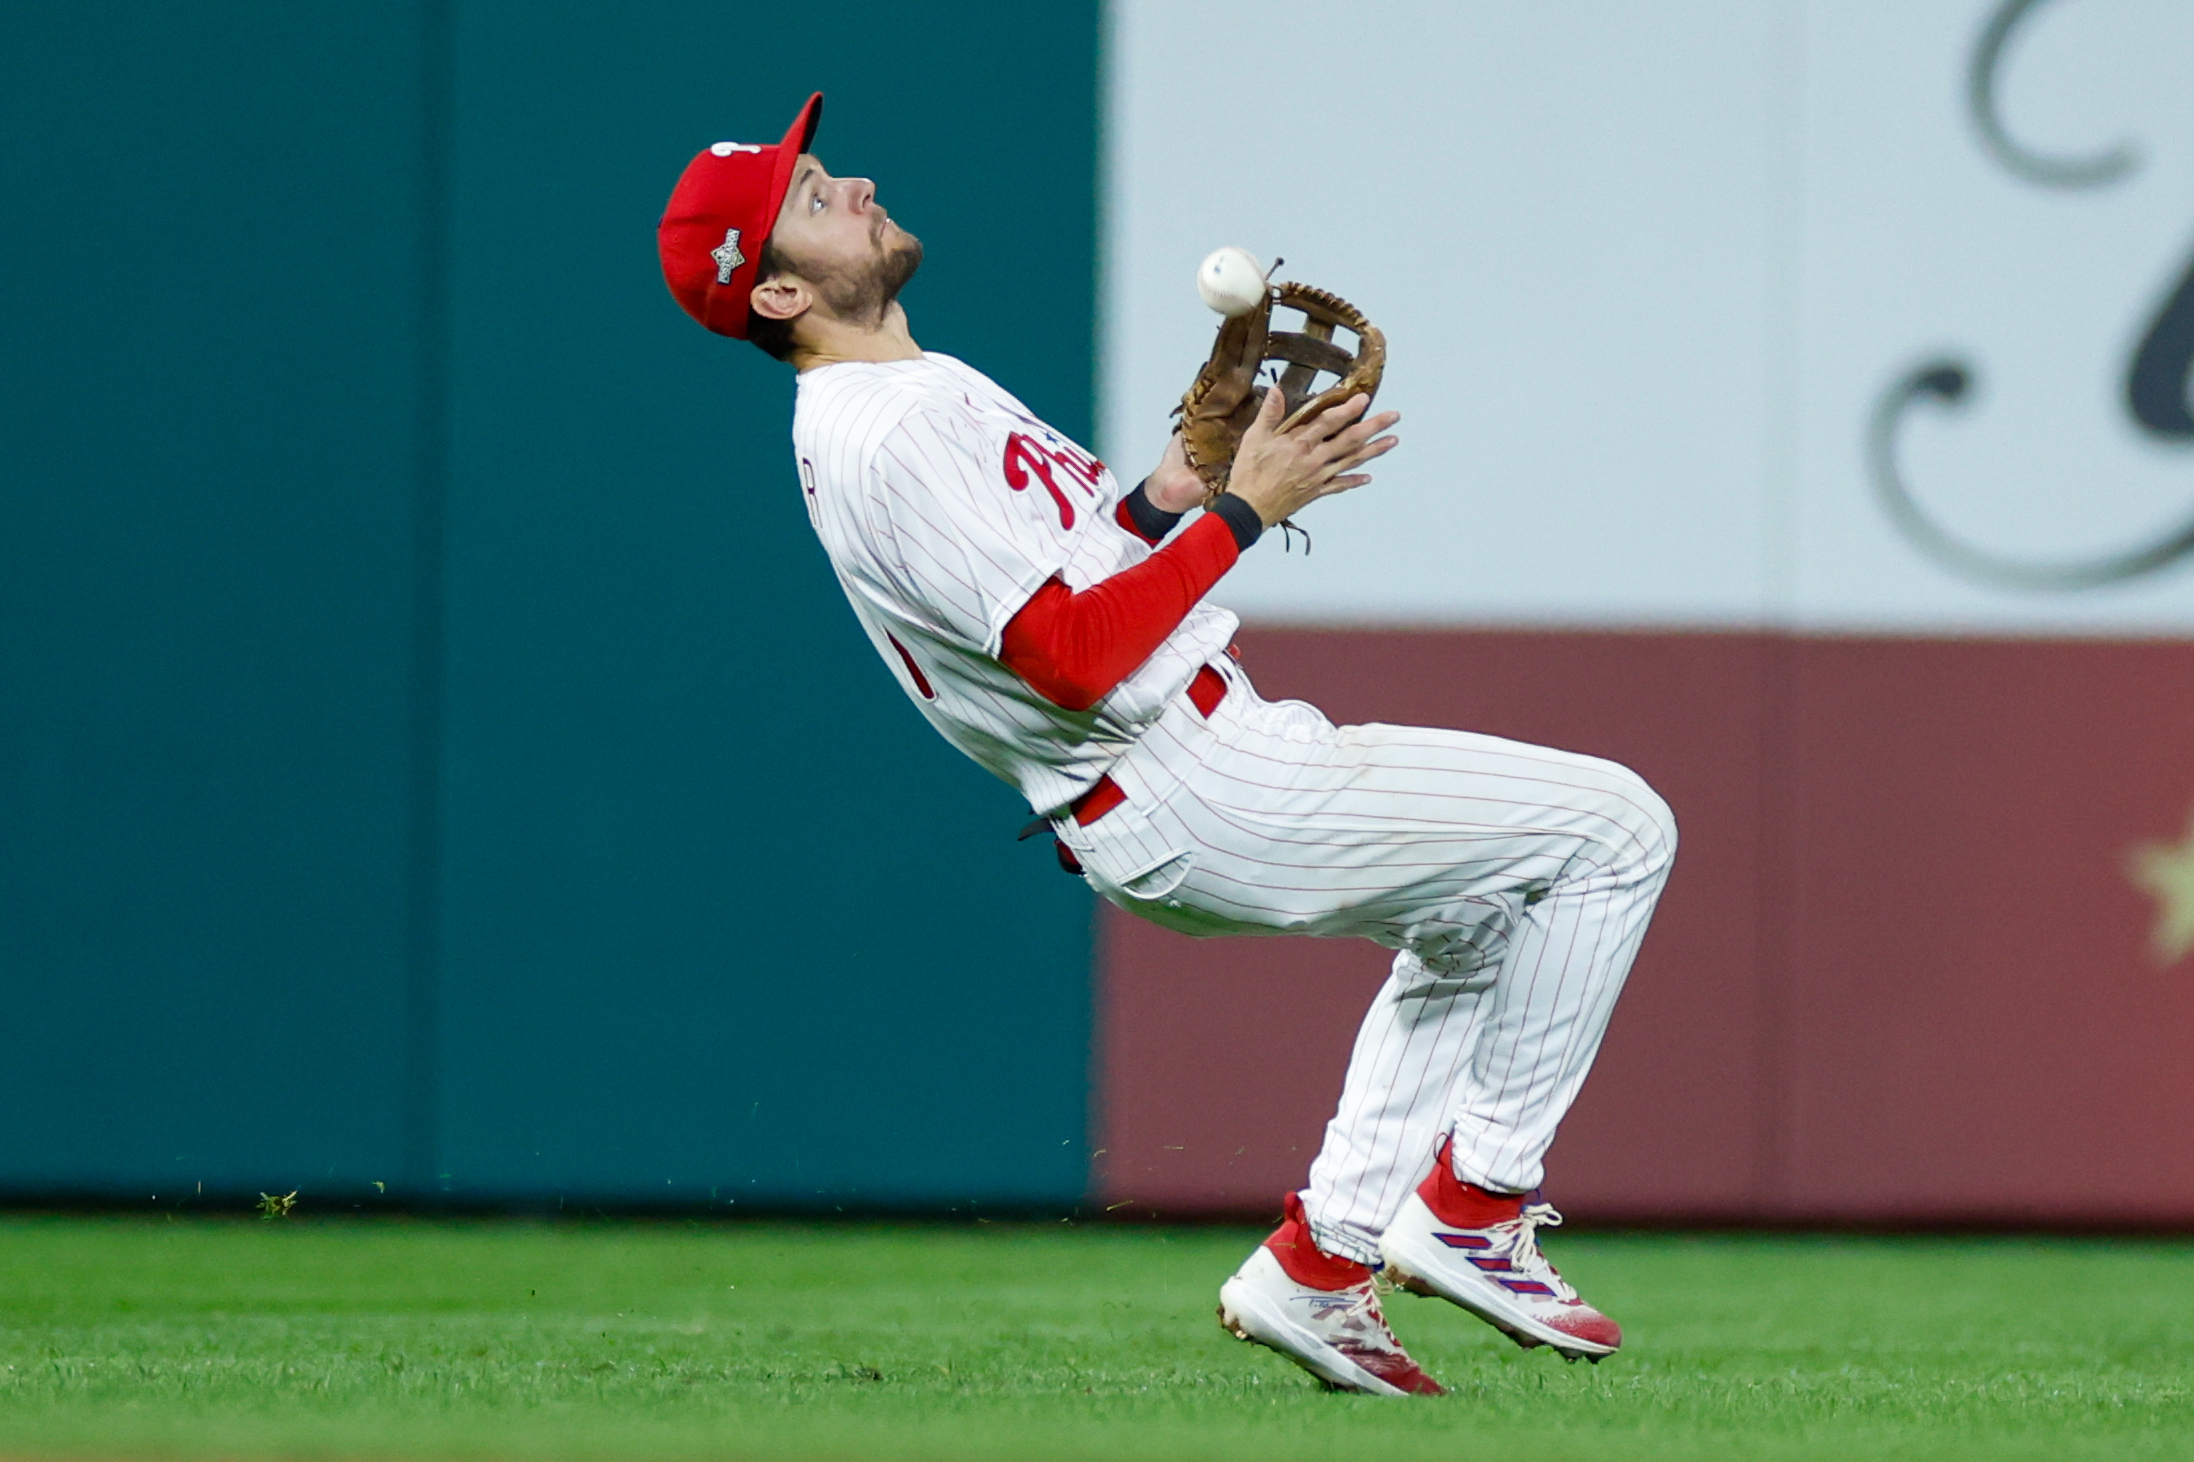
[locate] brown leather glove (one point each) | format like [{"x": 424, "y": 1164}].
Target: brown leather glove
[{"x": 1224, "y": 400}]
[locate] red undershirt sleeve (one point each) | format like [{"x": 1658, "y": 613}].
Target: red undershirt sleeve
[{"x": 1075, "y": 648}]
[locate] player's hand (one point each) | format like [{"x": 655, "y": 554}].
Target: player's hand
[
  {"x": 1174, "y": 487},
  {"x": 1279, "y": 473}
]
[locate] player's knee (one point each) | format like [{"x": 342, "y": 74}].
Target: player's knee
[{"x": 1647, "y": 818}]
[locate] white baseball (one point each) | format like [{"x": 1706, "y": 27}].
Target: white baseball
[{"x": 1230, "y": 281}]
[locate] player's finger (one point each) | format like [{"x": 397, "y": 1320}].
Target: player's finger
[
  {"x": 1341, "y": 443},
  {"x": 1335, "y": 417},
  {"x": 1338, "y": 486},
  {"x": 1363, "y": 453},
  {"x": 1337, "y": 449}
]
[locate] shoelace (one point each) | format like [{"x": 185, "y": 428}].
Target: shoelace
[
  {"x": 1525, "y": 1254},
  {"x": 1365, "y": 1309}
]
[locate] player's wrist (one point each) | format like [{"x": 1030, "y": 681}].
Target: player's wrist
[
  {"x": 1147, "y": 517},
  {"x": 1173, "y": 485},
  {"x": 1173, "y": 492},
  {"x": 1244, "y": 521}
]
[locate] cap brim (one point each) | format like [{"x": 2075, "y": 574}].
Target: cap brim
[{"x": 798, "y": 137}]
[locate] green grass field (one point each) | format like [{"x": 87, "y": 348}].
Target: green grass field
[{"x": 239, "y": 1339}]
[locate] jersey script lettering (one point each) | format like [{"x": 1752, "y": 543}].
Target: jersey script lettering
[{"x": 1024, "y": 455}]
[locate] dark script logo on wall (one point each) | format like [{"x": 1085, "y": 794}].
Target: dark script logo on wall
[{"x": 2155, "y": 384}]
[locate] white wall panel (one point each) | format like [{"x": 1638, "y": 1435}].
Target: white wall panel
[
  {"x": 1559, "y": 214},
  {"x": 1647, "y": 273},
  {"x": 1921, "y": 244}
]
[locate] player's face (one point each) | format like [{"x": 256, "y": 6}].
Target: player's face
[
  {"x": 835, "y": 235},
  {"x": 833, "y": 220}
]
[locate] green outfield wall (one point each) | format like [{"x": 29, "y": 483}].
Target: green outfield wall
[{"x": 434, "y": 753}]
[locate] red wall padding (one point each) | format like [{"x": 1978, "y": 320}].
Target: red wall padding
[{"x": 1900, "y": 975}]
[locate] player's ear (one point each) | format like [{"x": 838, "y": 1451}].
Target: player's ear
[{"x": 781, "y": 297}]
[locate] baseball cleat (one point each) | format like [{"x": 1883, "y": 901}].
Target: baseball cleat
[
  {"x": 1338, "y": 1335},
  {"x": 1437, "y": 1246},
  {"x": 1319, "y": 1310}
]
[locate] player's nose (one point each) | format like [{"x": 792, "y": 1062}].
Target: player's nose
[{"x": 861, "y": 192}]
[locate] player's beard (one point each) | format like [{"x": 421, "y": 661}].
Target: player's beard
[{"x": 863, "y": 294}]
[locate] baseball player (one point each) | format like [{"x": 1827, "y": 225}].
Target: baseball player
[{"x": 1056, "y": 630}]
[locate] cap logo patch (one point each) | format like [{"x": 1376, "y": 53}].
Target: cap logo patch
[
  {"x": 727, "y": 255},
  {"x": 726, "y": 149}
]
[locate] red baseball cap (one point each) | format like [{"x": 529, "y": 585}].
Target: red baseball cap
[{"x": 721, "y": 214}]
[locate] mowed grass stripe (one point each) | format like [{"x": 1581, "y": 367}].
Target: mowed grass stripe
[{"x": 238, "y": 1339}]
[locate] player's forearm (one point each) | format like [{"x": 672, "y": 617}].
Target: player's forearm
[{"x": 1075, "y": 648}]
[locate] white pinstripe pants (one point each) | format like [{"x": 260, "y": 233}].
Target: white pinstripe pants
[{"x": 1514, "y": 883}]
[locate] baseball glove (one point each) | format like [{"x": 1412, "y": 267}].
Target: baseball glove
[{"x": 1223, "y": 402}]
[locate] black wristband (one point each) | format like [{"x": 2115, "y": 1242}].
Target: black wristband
[
  {"x": 1240, "y": 517},
  {"x": 1150, "y": 520}
]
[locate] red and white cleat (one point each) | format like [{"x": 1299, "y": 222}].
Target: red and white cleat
[
  {"x": 1452, "y": 1241},
  {"x": 1336, "y": 1334}
]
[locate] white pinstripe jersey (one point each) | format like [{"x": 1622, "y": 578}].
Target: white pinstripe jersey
[{"x": 944, "y": 504}]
